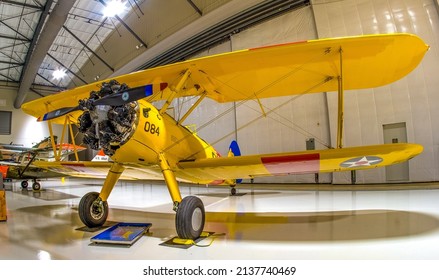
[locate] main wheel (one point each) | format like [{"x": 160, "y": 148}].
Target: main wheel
[
  {"x": 36, "y": 186},
  {"x": 233, "y": 191},
  {"x": 24, "y": 184},
  {"x": 93, "y": 211},
  {"x": 190, "y": 217}
]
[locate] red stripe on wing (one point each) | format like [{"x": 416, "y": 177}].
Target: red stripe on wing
[{"x": 290, "y": 164}]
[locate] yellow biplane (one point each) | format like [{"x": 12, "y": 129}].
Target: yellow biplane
[{"x": 144, "y": 142}]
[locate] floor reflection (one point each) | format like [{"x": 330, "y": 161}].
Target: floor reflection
[
  {"x": 58, "y": 224},
  {"x": 47, "y": 194},
  {"x": 322, "y": 226}
]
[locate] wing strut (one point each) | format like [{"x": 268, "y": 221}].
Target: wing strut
[
  {"x": 192, "y": 108},
  {"x": 174, "y": 90},
  {"x": 73, "y": 140},
  {"x": 340, "y": 104},
  {"x": 52, "y": 141}
]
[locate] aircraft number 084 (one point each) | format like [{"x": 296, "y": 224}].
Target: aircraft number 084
[{"x": 152, "y": 128}]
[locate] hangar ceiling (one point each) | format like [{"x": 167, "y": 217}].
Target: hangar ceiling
[{"x": 38, "y": 37}]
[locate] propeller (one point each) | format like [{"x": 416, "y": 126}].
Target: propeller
[
  {"x": 58, "y": 113},
  {"x": 115, "y": 99}
]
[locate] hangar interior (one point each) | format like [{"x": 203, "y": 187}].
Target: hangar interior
[{"x": 288, "y": 215}]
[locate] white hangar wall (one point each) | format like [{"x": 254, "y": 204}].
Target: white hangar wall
[
  {"x": 25, "y": 130},
  {"x": 290, "y": 121},
  {"x": 413, "y": 100}
]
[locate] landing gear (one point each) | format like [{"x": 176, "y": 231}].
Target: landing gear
[
  {"x": 93, "y": 207},
  {"x": 190, "y": 218},
  {"x": 24, "y": 185},
  {"x": 93, "y": 211},
  {"x": 36, "y": 186},
  {"x": 233, "y": 191}
]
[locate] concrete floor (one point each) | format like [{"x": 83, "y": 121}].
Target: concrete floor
[{"x": 268, "y": 222}]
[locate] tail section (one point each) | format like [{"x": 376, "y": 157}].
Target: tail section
[{"x": 234, "y": 151}]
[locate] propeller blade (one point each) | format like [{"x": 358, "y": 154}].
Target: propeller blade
[
  {"x": 118, "y": 99},
  {"x": 58, "y": 113},
  {"x": 130, "y": 95}
]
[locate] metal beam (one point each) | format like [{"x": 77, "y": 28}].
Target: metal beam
[
  {"x": 88, "y": 48},
  {"x": 13, "y": 38},
  {"x": 65, "y": 67},
  {"x": 16, "y": 31},
  {"x": 195, "y": 7},
  {"x": 21, "y": 4},
  {"x": 35, "y": 91},
  {"x": 45, "y": 39},
  {"x": 11, "y": 63},
  {"x": 131, "y": 31},
  {"x": 126, "y": 26}
]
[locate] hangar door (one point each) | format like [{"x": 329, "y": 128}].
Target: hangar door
[{"x": 396, "y": 133}]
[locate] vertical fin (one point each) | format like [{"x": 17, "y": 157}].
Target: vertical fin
[{"x": 234, "y": 151}]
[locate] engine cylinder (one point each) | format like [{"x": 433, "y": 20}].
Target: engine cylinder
[{"x": 108, "y": 127}]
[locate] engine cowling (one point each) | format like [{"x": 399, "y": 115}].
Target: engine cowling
[{"x": 107, "y": 127}]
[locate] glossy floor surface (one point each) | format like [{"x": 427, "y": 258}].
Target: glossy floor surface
[{"x": 261, "y": 222}]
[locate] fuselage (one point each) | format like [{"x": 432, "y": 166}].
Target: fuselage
[{"x": 160, "y": 133}]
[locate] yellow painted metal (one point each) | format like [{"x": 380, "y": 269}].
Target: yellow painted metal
[
  {"x": 160, "y": 133},
  {"x": 113, "y": 176},
  {"x": 226, "y": 169},
  {"x": 171, "y": 181},
  {"x": 161, "y": 145},
  {"x": 174, "y": 90},
  {"x": 59, "y": 151},
  {"x": 192, "y": 108},
  {"x": 262, "y": 107},
  {"x": 73, "y": 140},
  {"x": 205, "y": 170},
  {"x": 304, "y": 67},
  {"x": 52, "y": 141},
  {"x": 340, "y": 109}
]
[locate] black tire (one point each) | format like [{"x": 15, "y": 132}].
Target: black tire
[
  {"x": 90, "y": 213},
  {"x": 190, "y": 218},
  {"x": 36, "y": 186},
  {"x": 24, "y": 184},
  {"x": 233, "y": 191}
]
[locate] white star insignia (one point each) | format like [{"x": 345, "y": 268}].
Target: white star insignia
[{"x": 360, "y": 162}]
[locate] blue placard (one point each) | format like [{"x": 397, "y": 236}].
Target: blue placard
[{"x": 122, "y": 233}]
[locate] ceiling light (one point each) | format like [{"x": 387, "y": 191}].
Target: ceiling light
[
  {"x": 114, "y": 8},
  {"x": 59, "y": 74}
]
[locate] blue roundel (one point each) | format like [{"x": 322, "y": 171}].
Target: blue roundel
[{"x": 125, "y": 96}]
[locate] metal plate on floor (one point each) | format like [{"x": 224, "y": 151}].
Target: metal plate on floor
[{"x": 122, "y": 233}]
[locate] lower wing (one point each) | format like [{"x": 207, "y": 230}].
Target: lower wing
[
  {"x": 98, "y": 169},
  {"x": 332, "y": 160},
  {"x": 216, "y": 170}
]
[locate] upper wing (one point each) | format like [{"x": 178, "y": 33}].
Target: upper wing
[
  {"x": 296, "y": 68},
  {"x": 298, "y": 162}
]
